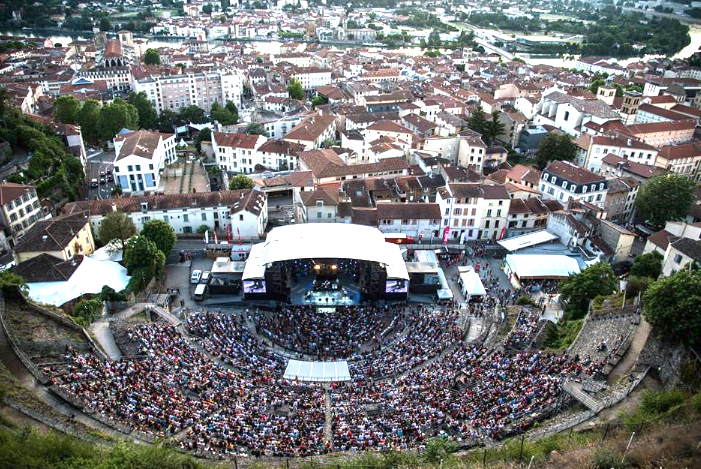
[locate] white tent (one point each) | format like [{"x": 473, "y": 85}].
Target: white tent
[
  {"x": 90, "y": 276},
  {"x": 317, "y": 371},
  {"x": 471, "y": 284},
  {"x": 540, "y": 266},
  {"x": 527, "y": 240}
]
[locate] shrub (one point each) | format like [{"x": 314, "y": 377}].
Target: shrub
[{"x": 525, "y": 300}]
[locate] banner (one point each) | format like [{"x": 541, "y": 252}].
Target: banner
[
  {"x": 215, "y": 237},
  {"x": 206, "y": 237},
  {"x": 238, "y": 233},
  {"x": 503, "y": 232},
  {"x": 228, "y": 234},
  {"x": 445, "y": 234}
]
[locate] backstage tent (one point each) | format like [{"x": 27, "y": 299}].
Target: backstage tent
[
  {"x": 317, "y": 371},
  {"x": 541, "y": 266},
  {"x": 471, "y": 284},
  {"x": 90, "y": 276},
  {"x": 527, "y": 240}
]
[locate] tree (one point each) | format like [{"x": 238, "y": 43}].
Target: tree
[
  {"x": 295, "y": 89},
  {"x": 147, "y": 114},
  {"x": 493, "y": 128},
  {"x": 665, "y": 198},
  {"x": 116, "y": 225},
  {"x": 166, "y": 120},
  {"x": 556, "y": 146},
  {"x": 225, "y": 4},
  {"x": 105, "y": 24},
  {"x": 594, "y": 87},
  {"x": 117, "y": 116},
  {"x": 66, "y": 109},
  {"x": 86, "y": 311},
  {"x": 647, "y": 265},
  {"x": 205, "y": 135},
  {"x": 202, "y": 229},
  {"x": 225, "y": 115},
  {"x": 192, "y": 114},
  {"x": 319, "y": 101},
  {"x": 152, "y": 57},
  {"x": 12, "y": 284},
  {"x": 240, "y": 181},
  {"x": 207, "y": 9},
  {"x": 673, "y": 306},
  {"x": 161, "y": 233},
  {"x": 256, "y": 128},
  {"x": 438, "y": 450},
  {"x": 143, "y": 261},
  {"x": 89, "y": 121},
  {"x": 477, "y": 120},
  {"x": 578, "y": 290},
  {"x": 434, "y": 39}
]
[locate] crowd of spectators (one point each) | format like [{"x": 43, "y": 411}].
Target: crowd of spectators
[
  {"x": 223, "y": 390},
  {"x": 524, "y": 329},
  {"x": 328, "y": 335}
]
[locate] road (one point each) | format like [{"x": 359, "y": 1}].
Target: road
[{"x": 98, "y": 161}]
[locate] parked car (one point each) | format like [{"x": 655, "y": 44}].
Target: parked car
[
  {"x": 196, "y": 276},
  {"x": 103, "y": 180},
  {"x": 206, "y": 276},
  {"x": 110, "y": 177},
  {"x": 93, "y": 183}
]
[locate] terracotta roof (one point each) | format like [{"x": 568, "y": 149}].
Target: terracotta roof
[
  {"x": 281, "y": 147},
  {"x": 10, "y": 191},
  {"x": 408, "y": 211},
  {"x": 660, "y": 239},
  {"x": 389, "y": 126},
  {"x": 310, "y": 129},
  {"x": 159, "y": 202},
  {"x": 113, "y": 48},
  {"x": 655, "y": 127},
  {"x": 676, "y": 152},
  {"x": 236, "y": 140},
  {"x": 325, "y": 163},
  {"x": 142, "y": 143},
  {"x": 638, "y": 169}
]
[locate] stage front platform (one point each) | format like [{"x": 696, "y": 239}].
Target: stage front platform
[
  {"x": 302, "y": 293},
  {"x": 320, "y": 372}
]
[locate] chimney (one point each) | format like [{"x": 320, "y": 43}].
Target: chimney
[{"x": 114, "y": 207}]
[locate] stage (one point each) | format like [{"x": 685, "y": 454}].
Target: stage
[{"x": 302, "y": 294}]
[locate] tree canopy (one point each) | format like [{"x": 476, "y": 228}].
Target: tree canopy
[
  {"x": 89, "y": 121},
  {"x": 66, "y": 109},
  {"x": 240, "y": 181},
  {"x": 161, "y": 233},
  {"x": 673, "y": 306},
  {"x": 665, "y": 198},
  {"x": 143, "y": 261},
  {"x": 578, "y": 290},
  {"x": 116, "y": 225},
  {"x": 204, "y": 135},
  {"x": 147, "y": 114},
  {"x": 152, "y": 57},
  {"x": 647, "y": 265},
  {"x": 295, "y": 89},
  {"x": 116, "y": 116},
  {"x": 556, "y": 146},
  {"x": 256, "y": 128},
  {"x": 192, "y": 114},
  {"x": 227, "y": 115}
]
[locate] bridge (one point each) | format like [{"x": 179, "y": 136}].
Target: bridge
[{"x": 494, "y": 49}]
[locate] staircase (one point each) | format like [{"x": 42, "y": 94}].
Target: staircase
[{"x": 575, "y": 390}]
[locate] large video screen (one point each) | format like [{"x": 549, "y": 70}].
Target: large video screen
[
  {"x": 254, "y": 286},
  {"x": 397, "y": 286}
]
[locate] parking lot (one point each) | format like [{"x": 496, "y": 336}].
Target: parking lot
[{"x": 99, "y": 162}]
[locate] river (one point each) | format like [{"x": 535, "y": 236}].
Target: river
[{"x": 273, "y": 47}]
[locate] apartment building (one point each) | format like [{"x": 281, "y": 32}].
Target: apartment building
[
  {"x": 681, "y": 159},
  {"x": 20, "y": 210},
  {"x": 564, "y": 181},
  {"x": 237, "y": 153},
  {"x": 62, "y": 237},
  {"x": 474, "y": 211},
  {"x": 593, "y": 149},
  {"x": 311, "y": 78},
  {"x": 173, "y": 92},
  {"x": 471, "y": 153},
  {"x": 314, "y": 131}
]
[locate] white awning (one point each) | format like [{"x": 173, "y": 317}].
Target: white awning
[
  {"x": 317, "y": 371},
  {"x": 540, "y": 266},
  {"x": 527, "y": 240}
]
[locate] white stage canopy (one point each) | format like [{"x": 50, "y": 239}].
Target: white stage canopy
[
  {"x": 90, "y": 276},
  {"x": 317, "y": 371},
  {"x": 527, "y": 240},
  {"x": 537, "y": 266},
  {"x": 325, "y": 241}
]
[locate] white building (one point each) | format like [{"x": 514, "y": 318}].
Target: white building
[
  {"x": 139, "y": 159},
  {"x": 237, "y": 153},
  {"x": 565, "y": 181},
  {"x": 570, "y": 113},
  {"x": 244, "y": 212}
]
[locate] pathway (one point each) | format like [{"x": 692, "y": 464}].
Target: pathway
[
  {"x": 100, "y": 330},
  {"x": 626, "y": 364},
  {"x": 328, "y": 422}
]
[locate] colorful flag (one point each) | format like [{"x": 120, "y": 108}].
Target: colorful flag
[
  {"x": 228, "y": 234},
  {"x": 206, "y": 237},
  {"x": 238, "y": 233},
  {"x": 445, "y": 234},
  {"x": 215, "y": 237}
]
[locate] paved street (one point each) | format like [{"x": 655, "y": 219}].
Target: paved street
[{"x": 98, "y": 161}]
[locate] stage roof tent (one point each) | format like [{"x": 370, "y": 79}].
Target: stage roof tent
[
  {"x": 317, "y": 371},
  {"x": 527, "y": 240},
  {"x": 325, "y": 241},
  {"x": 540, "y": 266}
]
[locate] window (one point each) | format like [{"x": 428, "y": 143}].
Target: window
[
  {"x": 130, "y": 168},
  {"x": 567, "y": 115},
  {"x": 457, "y": 211},
  {"x": 138, "y": 167},
  {"x": 318, "y": 214},
  {"x": 677, "y": 258},
  {"x": 186, "y": 218},
  {"x": 241, "y": 217},
  {"x": 564, "y": 184},
  {"x": 486, "y": 224},
  {"x": 150, "y": 166},
  {"x": 165, "y": 217},
  {"x": 489, "y": 213},
  {"x": 187, "y": 229},
  {"x": 319, "y": 203},
  {"x": 204, "y": 217},
  {"x": 328, "y": 215}
]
